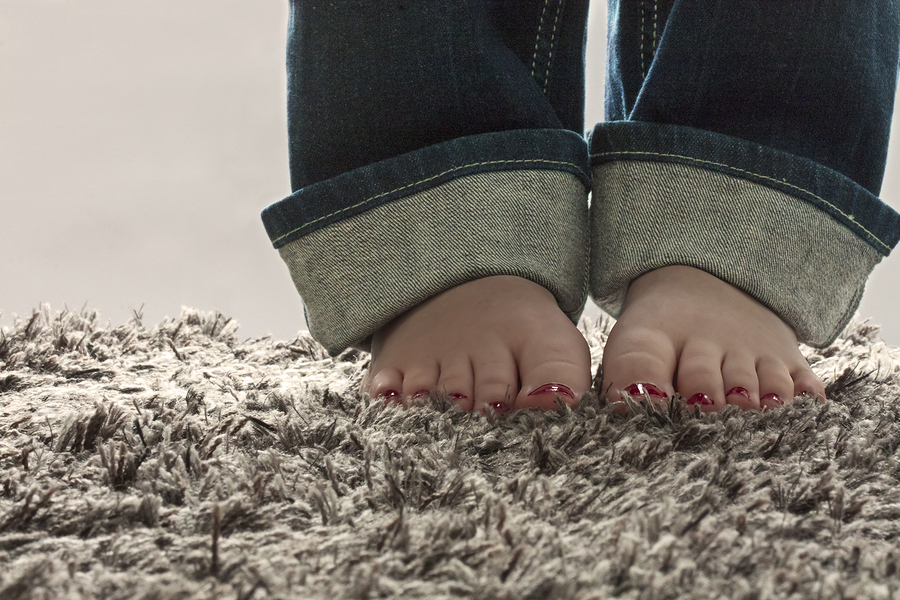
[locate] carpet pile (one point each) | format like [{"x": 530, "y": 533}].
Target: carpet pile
[{"x": 177, "y": 461}]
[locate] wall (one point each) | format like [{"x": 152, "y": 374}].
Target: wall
[{"x": 138, "y": 142}]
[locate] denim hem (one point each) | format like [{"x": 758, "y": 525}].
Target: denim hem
[
  {"x": 322, "y": 204},
  {"x": 360, "y": 273},
  {"x": 829, "y": 191},
  {"x": 786, "y": 253}
]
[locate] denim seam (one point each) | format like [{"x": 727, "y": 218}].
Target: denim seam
[
  {"x": 552, "y": 45},
  {"x": 643, "y": 35},
  {"x": 738, "y": 170},
  {"x": 426, "y": 180},
  {"x": 537, "y": 40}
]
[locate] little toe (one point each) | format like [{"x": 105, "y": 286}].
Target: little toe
[
  {"x": 740, "y": 381},
  {"x": 385, "y": 383},
  {"x": 807, "y": 383},
  {"x": 700, "y": 376},
  {"x": 776, "y": 387}
]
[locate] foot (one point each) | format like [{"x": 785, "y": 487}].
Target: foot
[
  {"x": 684, "y": 330},
  {"x": 499, "y": 342}
]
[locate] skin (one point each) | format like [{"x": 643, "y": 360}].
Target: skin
[
  {"x": 685, "y": 330},
  {"x": 493, "y": 342}
]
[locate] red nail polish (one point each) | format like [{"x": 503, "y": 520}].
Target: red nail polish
[
  {"x": 421, "y": 394},
  {"x": 738, "y": 391},
  {"x": 457, "y": 397},
  {"x": 500, "y": 408},
  {"x": 639, "y": 390},
  {"x": 554, "y": 388},
  {"x": 390, "y": 396},
  {"x": 772, "y": 398},
  {"x": 701, "y": 399}
]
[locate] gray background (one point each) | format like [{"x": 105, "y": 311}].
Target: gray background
[{"x": 139, "y": 139}]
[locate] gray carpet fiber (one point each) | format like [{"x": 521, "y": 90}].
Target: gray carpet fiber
[{"x": 177, "y": 461}]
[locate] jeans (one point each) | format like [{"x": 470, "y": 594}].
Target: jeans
[{"x": 435, "y": 142}]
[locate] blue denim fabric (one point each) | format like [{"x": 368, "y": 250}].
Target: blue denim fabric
[
  {"x": 387, "y": 97},
  {"x": 796, "y": 95},
  {"x": 831, "y": 192},
  {"x": 369, "y": 81},
  {"x": 326, "y": 202}
]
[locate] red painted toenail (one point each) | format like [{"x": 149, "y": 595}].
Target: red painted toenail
[
  {"x": 738, "y": 391},
  {"x": 500, "y": 407},
  {"x": 421, "y": 394},
  {"x": 701, "y": 399},
  {"x": 772, "y": 398},
  {"x": 639, "y": 390},
  {"x": 457, "y": 397},
  {"x": 554, "y": 388},
  {"x": 390, "y": 395}
]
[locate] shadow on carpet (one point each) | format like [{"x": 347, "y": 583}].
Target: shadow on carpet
[{"x": 179, "y": 462}]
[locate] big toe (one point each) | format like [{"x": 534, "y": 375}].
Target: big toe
[
  {"x": 561, "y": 369},
  {"x": 639, "y": 363}
]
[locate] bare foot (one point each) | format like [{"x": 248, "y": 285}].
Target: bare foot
[
  {"x": 682, "y": 329},
  {"x": 498, "y": 341}
]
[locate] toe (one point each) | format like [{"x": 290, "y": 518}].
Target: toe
[
  {"x": 419, "y": 382},
  {"x": 806, "y": 383},
  {"x": 560, "y": 369},
  {"x": 776, "y": 387},
  {"x": 495, "y": 380},
  {"x": 386, "y": 383},
  {"x": 700, "y": 375},
  {"x": 741, "y": 384},
  {"x": 637, "y": 360},
  {"x": 456, "y": 381}
]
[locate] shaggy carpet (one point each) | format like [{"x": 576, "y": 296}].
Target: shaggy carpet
[{"x": 179, "y": 462}]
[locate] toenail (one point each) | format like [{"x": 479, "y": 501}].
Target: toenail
[
  {"x": 421, "y": 394},
  {"x": 701, "y": 399},
  {"x": 554, "y": 388},
  {"x": 738, "y": 391},
  {"x": 500, "y": 407},
  {"x": 458, "y": 397},
  {"x": 773, "y": 398},
  {"x": 390, "y": 394},
  {"x": 640, "y": 390},
  {"x": 812, "y": 395}
]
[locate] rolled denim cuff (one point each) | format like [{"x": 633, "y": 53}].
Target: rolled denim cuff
[
  {"x": 800, "y": 238},
  {"x": 403, "y": 230}
]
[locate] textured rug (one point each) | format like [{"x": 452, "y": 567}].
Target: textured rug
[{"x": 176, "y": 461}]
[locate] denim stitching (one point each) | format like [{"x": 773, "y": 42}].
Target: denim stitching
[
  {"x": 537, "y": 40},
  {"x": 426, "y": 180},
  {"x": 643, "y": 70},
  {"x": 552, "y": 45},
  {"x": 765, "y": 177},
  {"x": 655, "y": 23}
]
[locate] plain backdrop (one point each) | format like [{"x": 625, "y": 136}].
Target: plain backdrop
[{"x": 139, "y": 139}]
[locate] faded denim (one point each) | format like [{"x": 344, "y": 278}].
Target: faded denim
[{"x": 780, "y": 110}]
